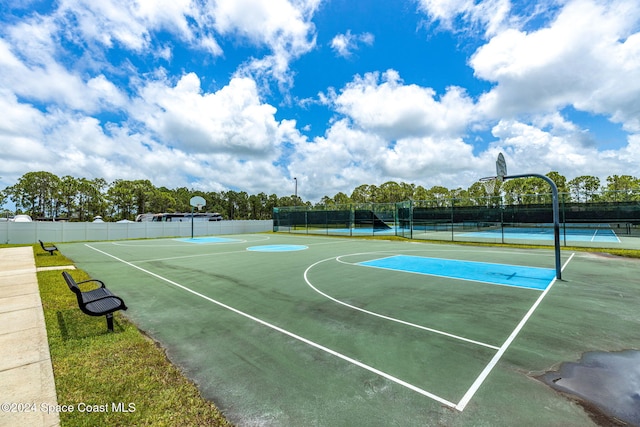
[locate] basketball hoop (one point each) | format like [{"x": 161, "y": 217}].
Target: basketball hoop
[
  {"x": 490, "y": 184},
  {"x": 196, "y": 202}
]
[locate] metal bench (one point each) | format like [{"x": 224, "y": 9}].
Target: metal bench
[
  {"x": 96, "y": 302},
  {"x": 51, "y": 249}
]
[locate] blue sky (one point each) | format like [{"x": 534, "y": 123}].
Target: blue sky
[{"x": 247, "y": 94}]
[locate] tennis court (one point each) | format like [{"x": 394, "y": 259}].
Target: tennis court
[
  {"x": 595, "y": 233},
  {"x": 312, "y": 330}
]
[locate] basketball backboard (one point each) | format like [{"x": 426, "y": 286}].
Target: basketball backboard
[
  {"x": 197, "y": 202},
  {"x": 501, "y": 167}
]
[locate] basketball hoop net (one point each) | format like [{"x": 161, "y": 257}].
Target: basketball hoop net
[{"x": 490, "y": 184}]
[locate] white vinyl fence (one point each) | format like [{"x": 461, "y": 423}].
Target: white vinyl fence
[{"x": 31, "y": 232}]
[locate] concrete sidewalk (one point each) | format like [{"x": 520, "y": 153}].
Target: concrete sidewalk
[{"x": 26, "y": 373}]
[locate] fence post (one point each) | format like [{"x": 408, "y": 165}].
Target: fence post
[
  {"x": 411, "y": 218},
  {"x": 453, "y": 201}
]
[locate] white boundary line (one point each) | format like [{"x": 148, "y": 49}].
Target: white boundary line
[
  {"x": 290, "y": 334},
  {"x": 496, "y": 358}
]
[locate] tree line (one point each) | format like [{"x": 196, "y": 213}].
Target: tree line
[
  {"x": 582, "y": 189},
  {"x": 44, "y": 195}
]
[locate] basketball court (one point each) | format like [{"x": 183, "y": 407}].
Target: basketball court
[{"x": 313, "y": 330}]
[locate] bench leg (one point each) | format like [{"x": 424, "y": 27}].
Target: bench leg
[{"x": 110, "y": 322}]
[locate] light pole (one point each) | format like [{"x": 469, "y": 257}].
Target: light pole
[{"x": 295, "y": 200}]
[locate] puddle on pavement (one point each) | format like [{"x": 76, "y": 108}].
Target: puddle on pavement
[{"x": 607, "y": 385}]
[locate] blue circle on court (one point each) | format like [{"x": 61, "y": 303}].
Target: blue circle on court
[{"x": 277, "y": 248}]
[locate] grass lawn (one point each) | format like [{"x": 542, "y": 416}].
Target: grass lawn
[{"x": 112, "y": 372}]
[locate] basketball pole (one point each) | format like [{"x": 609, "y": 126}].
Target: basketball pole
[{"x": 556, "y": 215}]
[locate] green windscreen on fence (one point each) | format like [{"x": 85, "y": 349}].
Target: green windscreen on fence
[
  {"x": 482, "y": 219},
  {"x": 339, "y": 219}
]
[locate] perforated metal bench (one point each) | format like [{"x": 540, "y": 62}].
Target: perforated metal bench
[
  {"x": 51, "y": 249},
  {"x": 96, "y": 302}
]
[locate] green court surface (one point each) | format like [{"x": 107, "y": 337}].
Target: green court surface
[{"x": 288, "y": 330}]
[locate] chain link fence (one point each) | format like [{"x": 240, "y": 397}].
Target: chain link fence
[{"x": 605, "y": 220}]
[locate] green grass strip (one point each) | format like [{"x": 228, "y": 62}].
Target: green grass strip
[{"x": 110, "y": 373}]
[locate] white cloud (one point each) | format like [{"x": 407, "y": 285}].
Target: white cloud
[
  {"x": 629, "y": 156},
  {"x": 532, "y": 146},
  {"x": 557, "y": 125},
  {"x": 436, "y": 158},
  {"x": 283, "y": 26},
  {"x": 385, "y": 105},
  {"x": 279, "y": 24},
  {"x": 74, "y": 144},
  {"x": 33, "y": 39},
  {"x": 107, "y": 22},
  {"x": 194, "y": 130},
  {"x": 588, "y": 57},
  {"x": 30, "y": 69},
  {"x": 530, "y": 149},
  {"x": 33, "y": 58},
  {"x": 223, "y": 139},
  {"x": 59, "y": 142},
  {"x": 231, "y": 120},
  {"x": 490, "y": 15},
  {"x": 347, "y": 157},
  {"x": 131, "y": 23},
  {"x": 21, "y": 127},
  {"x": 340, "y": 160},
  {"x": 345, "y": 44},
  {"x": 391, "y": 131},
  {"x": 232, "y": 138}
]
